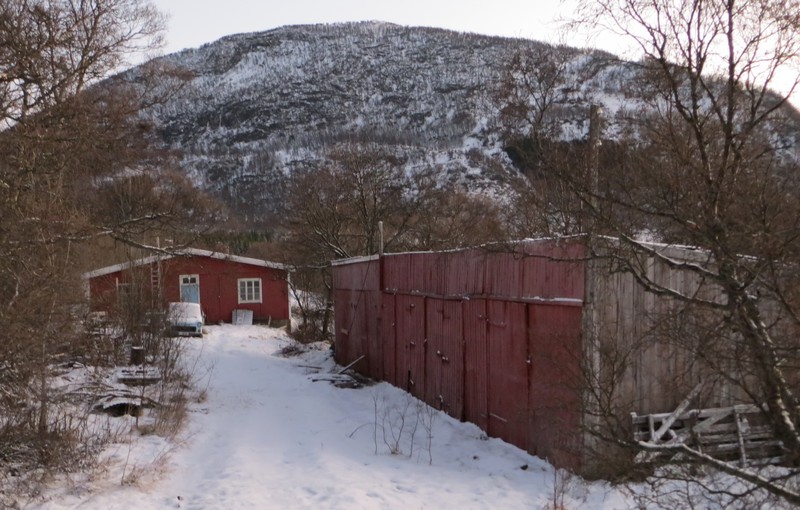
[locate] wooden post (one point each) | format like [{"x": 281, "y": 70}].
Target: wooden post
[
  {"x": 593, "y": 162},
  {"x": 137, "y": 355},
  {"x": 380, "y": 238},
  {"x": 591, "y": 363}
]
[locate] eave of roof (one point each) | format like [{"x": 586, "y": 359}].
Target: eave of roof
[{"x": 184, "y": 252}]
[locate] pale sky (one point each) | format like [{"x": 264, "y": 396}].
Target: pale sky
[{"x": 193, "y": 23}]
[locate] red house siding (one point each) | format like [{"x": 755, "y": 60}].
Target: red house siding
[
  {"x": 219, "y": 294},
  {"x": 218, "y": 282}
]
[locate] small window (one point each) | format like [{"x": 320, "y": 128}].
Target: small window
[
  {"x": 250, "y": 290},
  {"x": 188, "y": 279}
]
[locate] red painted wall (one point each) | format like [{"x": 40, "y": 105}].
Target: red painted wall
[
  {"x": 218, "y": 281},
  {"x": 489, "y": 337}
]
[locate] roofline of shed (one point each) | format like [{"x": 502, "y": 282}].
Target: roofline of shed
[
  {"x": 656, "y": 246},
  {"x": 368, "y": 258},
  {"x": 182, "y": 253},
  {"x": 355, "y": 260}
]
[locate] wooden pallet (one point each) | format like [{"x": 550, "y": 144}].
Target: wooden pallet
[{"x": 734, "y": 434}]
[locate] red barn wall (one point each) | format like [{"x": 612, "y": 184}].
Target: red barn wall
[
  {"x": 498, "y": 337},
  {"x": 489, "y": 337}
]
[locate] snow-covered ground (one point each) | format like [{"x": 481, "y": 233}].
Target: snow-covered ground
[{"x": 269, "y": 436}]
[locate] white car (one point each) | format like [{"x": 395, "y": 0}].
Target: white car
[{"x": 185, "y": 319}]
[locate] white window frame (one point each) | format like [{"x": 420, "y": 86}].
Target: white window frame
[
  {"x": 249, "y": 295},
  {"x": 196, "y": 278}
]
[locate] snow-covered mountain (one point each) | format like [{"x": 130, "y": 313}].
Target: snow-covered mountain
[{"x": 263, "y": 104}]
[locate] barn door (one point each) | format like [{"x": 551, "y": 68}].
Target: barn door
[
  {"x": 507, "y": 355},
  {"x": 554, "y": 337},
  {"x": 444, "y": 362},
  {"x": 410, "y": 343},
  {"x": 475, "y": 364},
  {"x": 190, "y": 288}
]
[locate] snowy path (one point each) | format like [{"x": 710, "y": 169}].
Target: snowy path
[{"x": 268, "y": 437}]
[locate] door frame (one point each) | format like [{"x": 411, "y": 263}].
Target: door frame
[{"x": 188, "y": 284}]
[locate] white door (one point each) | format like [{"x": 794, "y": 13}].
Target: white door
[{"x": 190, "y": 288}]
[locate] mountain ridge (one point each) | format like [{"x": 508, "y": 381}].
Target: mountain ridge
[{"x": 262, "y": 105}]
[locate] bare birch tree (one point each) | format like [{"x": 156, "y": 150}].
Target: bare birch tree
[
  {"x": 63, "y": 141},
  {"x": 714, "y": 165},
  {"x": 335, "y": 209}
]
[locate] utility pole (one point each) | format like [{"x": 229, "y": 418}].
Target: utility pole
[
  {"x": 380, "y": 238},
  {"x": 591, "y": 345},
  {"x": 595, "y": 126}
]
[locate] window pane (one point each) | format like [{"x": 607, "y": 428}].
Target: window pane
[{"x": 250, "y": 290}]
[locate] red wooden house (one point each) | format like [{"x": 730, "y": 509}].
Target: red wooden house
[{"x": 219, "y": 282}]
